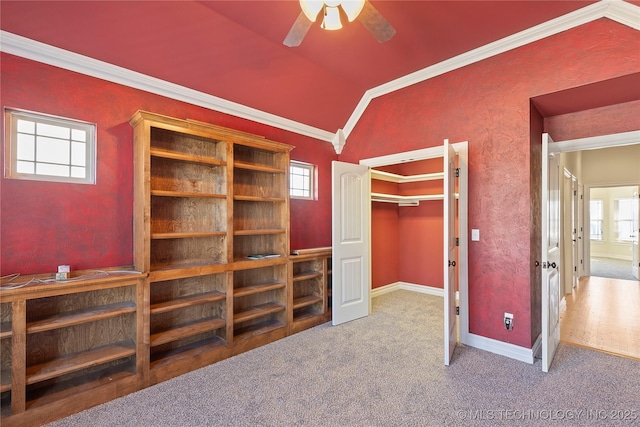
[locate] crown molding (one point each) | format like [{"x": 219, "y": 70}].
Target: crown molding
[
  {"x": 616, "y": 10},
  {"x": 51, "y": 55}
]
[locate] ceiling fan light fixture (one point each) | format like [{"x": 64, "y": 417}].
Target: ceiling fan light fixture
[
  {"x": 352, "y": 8},
  {"x": 331, "y": 19},
  {"x": 311, "y": 8}
]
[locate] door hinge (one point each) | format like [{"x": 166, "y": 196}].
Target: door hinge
[
  {"x": 457, "y": 172},
  {"x": 575, "y": 193},
  {"x": 575, "y": 268},
  {"x": 457, "y": 241},
  {"x": 458, "y": 310}
]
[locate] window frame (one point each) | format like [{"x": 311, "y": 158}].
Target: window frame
[
  {"x": 617, "y": 220},
  {"x": 600, "y": 220},
  {"x": 311, "y": 169},
  {"x": 12, "y": 115}
]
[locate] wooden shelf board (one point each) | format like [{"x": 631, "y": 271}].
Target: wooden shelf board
[
  {"x": 175, "y": 155},
  {"x": 5, "y": 330},
  {"x": 245, "y": 198},
  {"x": 77, "y": 317},
  {"x": 257, "y": 329},
  {"x": 306, "y": 301},
  {"x": 306, "y": 275},
  {"x": 306, "y": 315},
  {"x": 177, "y": 266},
  {"x": 256, "y": 167},
  {"x": 72, "y": 388},
  {"x": 187, "y": 301},
  {"x": 188, "y": 351},
  {"x": 187, "y": 234},
  {"x": 187, "y": 330},
  {"x": 257, "y": 311},
  {"x": 258, "y": 287},
  {"x": 259, "y": 232},
  {"x": 166, "y": 193},
  {"x": 77, "y": 361}
]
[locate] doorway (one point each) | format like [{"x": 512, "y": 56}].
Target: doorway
[
  {"x": 436, "y": 154},
  {"x": 611, "y": 303},
  {"x": 612, "y": 231}
]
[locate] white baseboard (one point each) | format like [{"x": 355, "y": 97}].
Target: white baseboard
[
  {"x": 439, "y": 292},
  {"x": 612, "y": 256},
  {"x": 511, "y": 351}
]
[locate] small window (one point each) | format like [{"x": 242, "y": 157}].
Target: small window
[
  {"x": 301, "y": 180},
  {"x": 623, "y": 220},
  {"x": 596, "y": 215},
  {"x": 49, "y": 148}
]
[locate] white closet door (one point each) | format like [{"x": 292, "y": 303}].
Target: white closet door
[
  {"x": 351, "y": 188},
  {"x": 450, "y": 285},
  {"x": 550, "y": 254}
]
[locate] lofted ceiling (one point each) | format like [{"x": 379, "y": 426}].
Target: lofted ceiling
[{"x": 233, "y": 49}]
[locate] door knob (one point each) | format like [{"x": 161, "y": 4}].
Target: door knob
[
  {"x": 452, "y": 263},
  {"x": 553, "y": 265}
]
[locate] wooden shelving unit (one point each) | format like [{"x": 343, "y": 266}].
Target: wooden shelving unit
[
  {"x": 206, "y": 198},
  {"x": 212, "y": 277},
  {"x": 63, "y": 341},
  {"x": 310, "y": 277}
]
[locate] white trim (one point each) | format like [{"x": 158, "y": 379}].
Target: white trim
[
  {"x": 616, "y": 10},
  {"x": 595, "y": 142},
  {"x": 40, "y": 52},
  {"x": 392, "y": 287},
  {"x": 511, "y": 351},
  {"x": 536, "y": 350}
]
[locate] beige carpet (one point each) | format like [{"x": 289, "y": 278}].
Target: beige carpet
[{"x": 383, "y": 370}]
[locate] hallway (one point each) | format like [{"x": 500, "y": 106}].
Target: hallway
[{"x": 603, "y": 314}]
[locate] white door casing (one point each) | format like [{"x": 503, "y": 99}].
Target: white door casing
[
  {"x": 351, "y": 218},
  {"x": 636, "y": 235},
  {"x": 550, "y": 211},
  {"x": 449, "y": 213}
]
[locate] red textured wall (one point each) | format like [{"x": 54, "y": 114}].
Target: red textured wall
[
  {"x": 488, "y": 104},
  {"x": 90, "y": 226}
]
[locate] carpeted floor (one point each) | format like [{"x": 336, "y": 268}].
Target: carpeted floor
[
  {"x": 384, "y": 370},
  {"x": 611, "y": 268}
]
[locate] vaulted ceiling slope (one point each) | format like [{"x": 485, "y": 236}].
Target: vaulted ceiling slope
[{"x": 229, "y": 55}]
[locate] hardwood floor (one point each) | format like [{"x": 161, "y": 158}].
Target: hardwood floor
[{"x": 603, "y": 314}]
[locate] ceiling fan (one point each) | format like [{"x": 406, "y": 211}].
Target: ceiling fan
[{"x": 331, "y": 10}]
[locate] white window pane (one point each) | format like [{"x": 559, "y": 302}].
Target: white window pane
[
  {"x": 54, "y": 170},
  {"x": 25, "y": 167},
  {"x": 305, "y": 182},
  {"x": 52, "y": 150},
  {"x": 26, "y": 126},
  {"x": 78, "y": 135},
  {"x": 297, "y": 182},
  {"x": 78, "y": 172},
  {"x": 53, "y": 131},
  {"x": 26, "y": 147},
  {"x": 298, "y": 193},
  {"x": 78, "y": 154}
]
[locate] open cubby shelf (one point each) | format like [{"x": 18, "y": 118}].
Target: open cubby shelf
[{"x": 186, "y": 330}]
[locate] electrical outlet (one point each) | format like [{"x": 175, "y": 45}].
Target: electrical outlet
[{"x": 508, "y": 321}]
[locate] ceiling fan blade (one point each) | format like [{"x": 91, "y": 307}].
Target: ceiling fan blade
[
  {"x": 298, "y": 31},
  {"x": 375, "y": 23}
]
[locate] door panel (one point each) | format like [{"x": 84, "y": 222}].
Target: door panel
[
  {"x": 636, "y": 235},
  {"x": 350, "y": 240},
  {"x": 450, "y": 258},
  {"x": 550, "y": 254}
]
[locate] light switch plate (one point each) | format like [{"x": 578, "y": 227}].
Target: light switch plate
[{"x": 475, "y": 234}]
